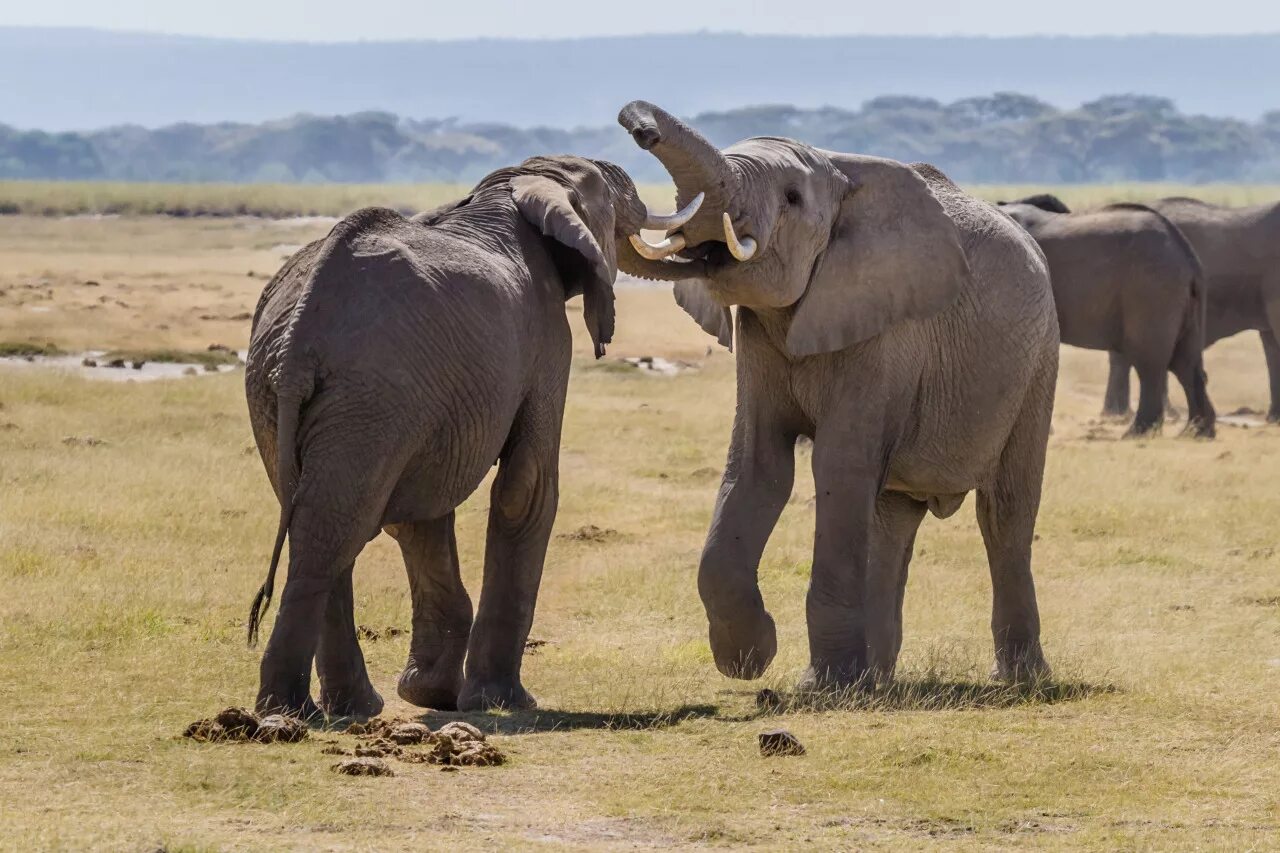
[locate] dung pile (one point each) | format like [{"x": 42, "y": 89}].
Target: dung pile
[
  {"x": 455, "y": 744},
  {"x": 240, "y": 724}
]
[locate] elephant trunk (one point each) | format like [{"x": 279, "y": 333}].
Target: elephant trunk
[{"x": 693, "y": 162}]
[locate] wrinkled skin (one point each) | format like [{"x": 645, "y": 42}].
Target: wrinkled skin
[
  {"x": 1240, "y": 252},
  {"x": 1125, "y": 280},
  {"x": 905, "y": 327},
  {"x": 391, "y": 365}
]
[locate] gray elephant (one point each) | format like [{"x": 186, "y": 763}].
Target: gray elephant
[
  {"x": 1126, "y": 280},
  {"x": 1239, "y": 248},
  {"x": 905, "y": 327},
  {"x": 391, "y": 365}
]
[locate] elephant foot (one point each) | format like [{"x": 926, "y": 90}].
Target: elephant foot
[
  {"x": 744, "y": 648},
  {"x": 1137, "y": 430},
  {"x": 357, "y": 704},
  {"x": 508, "y": 695},
  {"x": 426, "y": 688},
  {"x": 1273, "y": 416},
  {"x": 303, "y": 708},
  {"x": 1117, "y": 412},
  {"x": 1200, "y": 428},
  {"x": 1021, "y": 665}
]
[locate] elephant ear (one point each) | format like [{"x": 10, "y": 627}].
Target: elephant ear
[
  {"x": 699, "y": 304},
  {"x": 894, "y": 255},
  {"x": 548, "y": 206}
]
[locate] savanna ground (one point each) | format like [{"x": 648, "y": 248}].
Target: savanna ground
[{"x": 127, "y": 566}]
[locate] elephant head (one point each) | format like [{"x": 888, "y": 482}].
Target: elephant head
[
  {"x": 834, "y": 238},
  {"x": 585, "y": 208}
]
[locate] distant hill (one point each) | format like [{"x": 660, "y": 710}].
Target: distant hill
[
  {"x": 58, "y": 79},
  {"x": 1001, "y": 138}
]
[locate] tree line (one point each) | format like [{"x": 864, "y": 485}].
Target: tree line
[{"x": 1001, "y": 138}]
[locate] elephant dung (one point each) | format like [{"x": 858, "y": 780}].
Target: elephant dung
[
  {"x": 278, "y": 728},
  {"x": 779, "y": 742},
  {"x": 241, "y": 724},
  {"x": 461, "y": 731},
  {"x": 409, "y": 733},
  {"x": 362, "y": 767}
]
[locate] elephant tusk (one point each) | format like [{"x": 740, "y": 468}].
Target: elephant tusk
[
  {"x": 744, "y": 249},
  {"x": 670, "y": 222},
  {"x": 658, "y": 251}
]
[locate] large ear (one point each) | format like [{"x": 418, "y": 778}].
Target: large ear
[
  {"x": 548, "y": 206},
  {"x": 893, "y": 255},
  {"x": 713, "y": 317}
]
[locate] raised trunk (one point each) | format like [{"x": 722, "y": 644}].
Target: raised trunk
[{"x": 694, "y": 163}]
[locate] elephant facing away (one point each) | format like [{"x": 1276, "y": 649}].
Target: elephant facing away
[
  {"x": 1239, "y": 248},
  {"x": 391, "y": 365},
  {"x": 1126, "y": 280},
  {"x": 905, "y": 327}
]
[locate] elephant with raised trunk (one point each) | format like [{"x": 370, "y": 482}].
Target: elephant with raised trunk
[
  {"x": 391, "y": 365},
  {"x": 905, "y": 327},
  {"x": 1126, "y": 280}
]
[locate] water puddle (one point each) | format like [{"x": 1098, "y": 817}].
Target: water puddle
[{"x": 94, "y": 364}]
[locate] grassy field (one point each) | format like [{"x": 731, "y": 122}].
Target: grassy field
[
  {"x": 127, "y": 564},
  {"x": 72, "y": 198}
]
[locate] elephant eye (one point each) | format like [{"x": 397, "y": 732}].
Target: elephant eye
[{"x": 793, "y": 196}]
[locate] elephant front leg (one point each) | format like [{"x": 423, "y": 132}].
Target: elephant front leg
[
  {"x": 522, "y": 510},
  {"x": 756, "y": 487},
  {"x": 838, "y": 607},
  {"x": 432, "y": 677}
]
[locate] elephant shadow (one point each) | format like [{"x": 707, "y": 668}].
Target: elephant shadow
[
  {"x": 540, "y": 721},
  {"x": 930, "y": 693}
]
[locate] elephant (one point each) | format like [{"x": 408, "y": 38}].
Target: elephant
[
  {"x": 1239, "y": 248},
  {"x": 391, "y": 365},
  {"x": 1126, "y": 280},
  {"x": 904, "y": 327}
]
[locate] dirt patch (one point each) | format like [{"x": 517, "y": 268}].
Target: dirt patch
[
  {"x": 240, "y": 725},
  {"x": 86, "y": 441},
  {"x": 373, "y": 635},
  {"x": 591, "y": 533}
]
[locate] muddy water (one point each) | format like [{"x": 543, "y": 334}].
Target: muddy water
[{"x": 78, "y": 364}]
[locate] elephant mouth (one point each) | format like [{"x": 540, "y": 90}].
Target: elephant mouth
[{"x": 716, "y": 253}]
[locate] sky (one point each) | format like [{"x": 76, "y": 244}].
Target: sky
[{"x": 343, "y": 20}]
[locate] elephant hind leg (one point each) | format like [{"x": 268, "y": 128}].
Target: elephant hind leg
[
  {"x": 893, "y": 535},
  {"x": 1188, "y": 367},
  {"x": 1271, "y": 349},
  {"x": 345, "y": 689},
  {"x": 1153, "y": 385},
  {"x": 1007, "y": 510},
  {"x": 1116, "y": 401},
  {"x": 432, "y": 677}
]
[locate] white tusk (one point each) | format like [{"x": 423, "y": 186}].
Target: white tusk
[
  {"x": 670, "y": 222},
  {"x": 743, "y": 249},
  {"x": 658, "y": 251}
]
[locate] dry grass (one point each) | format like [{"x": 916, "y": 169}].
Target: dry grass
[{"x": 127, "y": 569}]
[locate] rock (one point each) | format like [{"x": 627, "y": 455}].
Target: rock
[
  {"x": 116, "y": 362},
  {"x": 779, "y": 742},
  {"x": 409, "y": 733},
  {"x": 278, "y": 728},
  {"x": 362, "y": 767},
  {"x": 137, "y": 363},
  {"x": 88, "y": 362},
  {"x": 462, "y": 732},
  {"x": 768, "y": 700}
]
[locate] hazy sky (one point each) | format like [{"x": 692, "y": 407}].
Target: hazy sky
[{"x": 344, "y": 20}]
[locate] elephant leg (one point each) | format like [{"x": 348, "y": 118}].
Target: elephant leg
[
  {"x": 1271, "y": 349},
  {"x": 893, "y": 535},
  {"x": 837, "y": 606},
  {"x": 345, "y": 689},
  {"x": 1153, "y": 384},
  {"x": 522, "y": 509},
  {"x": 1188, "y": 367},
  {"x": 323, "y": 544},
  {"x": 1007, "y": 512},
  {"x": 1116, "y": 401},
  {"x": 432, "y": 678}
]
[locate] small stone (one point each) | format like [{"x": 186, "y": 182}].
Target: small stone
[
  {"x": 779, "y": 742},
  {"x": 408, "y": 733},
  {"x": 88, "y": 362},
  {"x": 768, "y": 700},
  {"x": 362, "y": 767}
]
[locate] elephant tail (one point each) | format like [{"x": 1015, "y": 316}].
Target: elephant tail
[{"x": 287, "y": 413}]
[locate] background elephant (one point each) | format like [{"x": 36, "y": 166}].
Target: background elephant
[
  {"x": 1126, "y": 280},
  {"x": 1239, "y": 248},
  {"x": 391, "y": 365},
  {"x": 905, "y": 327}
]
